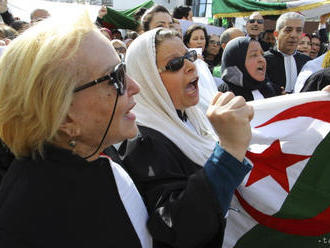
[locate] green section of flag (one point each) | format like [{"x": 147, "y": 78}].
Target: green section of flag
[
  {"x": 124, "y": 19},
  {"x": 309, "y": 196},
  {"x": 236, "y": 6},
  {"x": 131, "y": 12}
]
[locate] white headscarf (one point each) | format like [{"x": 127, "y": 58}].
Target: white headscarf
[{"x": 155, "y": 109}]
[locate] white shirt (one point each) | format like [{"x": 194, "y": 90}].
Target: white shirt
[
  {"x": 133, "y": 203},
  {"x": 309, "y": 68}
]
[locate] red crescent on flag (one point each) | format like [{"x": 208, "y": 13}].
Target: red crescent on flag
[
  {"x": 316, "y": 226},
  {"x": 318, "y": 110}
]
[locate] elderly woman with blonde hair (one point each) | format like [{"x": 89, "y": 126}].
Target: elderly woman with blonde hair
[{"x": 65, "y": 97}]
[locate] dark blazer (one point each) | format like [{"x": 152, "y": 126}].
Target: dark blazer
[
  {"x": 181, "y": 200},
  {"x": 63, "y": 201},
  {"x": 275, "y": 65}
]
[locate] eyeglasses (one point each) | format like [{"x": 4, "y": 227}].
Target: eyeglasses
[
  {"x": 259, "y": 21},
  {"x": 213, "y": 42},
  {"x": 116, "y": 78},
  {"x": 177, "y": 63}
]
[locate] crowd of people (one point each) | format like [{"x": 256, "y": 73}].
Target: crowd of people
[{"x": 137, "y": 141}]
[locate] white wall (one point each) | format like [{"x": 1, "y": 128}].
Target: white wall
[{"x": 127, "y": 4}]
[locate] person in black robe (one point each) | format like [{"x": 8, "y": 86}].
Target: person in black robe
[
  {"x": 186, "y": 178},
  {"x": 240, "y": 53}
]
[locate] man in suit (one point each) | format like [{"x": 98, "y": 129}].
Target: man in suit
[{"x": 283, "y": 62}]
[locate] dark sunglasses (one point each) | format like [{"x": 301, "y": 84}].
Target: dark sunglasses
[
  {"x": 213, "y": 42},
  {"x": 177, "y": 63},
  {"x": 259, "y": 21},
  {"x": 116, "y": 78}
]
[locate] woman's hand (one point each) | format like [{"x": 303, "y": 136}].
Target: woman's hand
[{"x": 230, "y": 116}]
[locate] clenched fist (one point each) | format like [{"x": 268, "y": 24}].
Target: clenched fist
[{"x": 230, "y": 116}]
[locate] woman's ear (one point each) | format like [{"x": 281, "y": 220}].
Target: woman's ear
[{"x": 70, "y": 127}]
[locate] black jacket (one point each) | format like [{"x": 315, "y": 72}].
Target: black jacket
[
  {"x": 267, "y": 90},
  {"x": 275, "y": 65},
  {"x": 180, "y": 197},
  {"x": 63, "y": 201}
]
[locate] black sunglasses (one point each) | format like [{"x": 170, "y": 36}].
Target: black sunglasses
[
  {"x": 259, "y": 21},
  {"x": 116, "y": 78},
  {"x": 177, "y": 63}
]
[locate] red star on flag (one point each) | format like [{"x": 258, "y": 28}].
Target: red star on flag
[{"x": 272, "y": 162}]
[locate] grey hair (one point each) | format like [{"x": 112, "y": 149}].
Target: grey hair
[
  {"x": 225, "y": 37},
  {"x": 165, "y": 34},
  {"x": 281, "y": 21}
]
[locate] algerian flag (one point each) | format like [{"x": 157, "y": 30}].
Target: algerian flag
[
  {"x": 285, "y": 200},
  {"x": 241, "y": 8},
  {"x": 124, "y": 19}
]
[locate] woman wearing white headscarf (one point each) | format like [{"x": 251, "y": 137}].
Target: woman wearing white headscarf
[{"x": 186, "y": 179}]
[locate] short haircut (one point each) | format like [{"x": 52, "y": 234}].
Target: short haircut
[
  {"x": 225, "y": 37},
  {"x": 268, "y": 31},
  {"x": 38, "y": 72},
  {"x": 149, "y": 14},
  {"x": 32, "y": 15},
  {"x": 190, "y": 30},
  {"x": 181, "y": 11},
  {"x": 281, "y": 21}
]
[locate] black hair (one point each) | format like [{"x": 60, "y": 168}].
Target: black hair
[
  {"x": 268, "y": 31},
  {"x": 181, "y": 11},
  {"x": 139, "y": 13}
]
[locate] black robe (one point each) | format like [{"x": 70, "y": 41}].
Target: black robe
[
  {"x": 63, "y": 201},
  {"x": 275, "y": 65},
  {"x": 182, "y": 204},
  {"x": 266, "y": 89}
]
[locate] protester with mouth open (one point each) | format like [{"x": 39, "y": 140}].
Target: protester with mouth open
[
  {"x": 243, "y": 70},
  {"x": 185, "y": 177}
]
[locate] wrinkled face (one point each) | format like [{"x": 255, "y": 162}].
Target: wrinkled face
[
  {"x": 316, "y": 45},
  {"x": 255, "y": 63},
  {"x": 92, "y": 107},
  {"x": 287, "y": 38},
  {"x": 160, "y": 19},
  {"x": 181, "y": 85},
  {"x": 214, "y": 45},
  {"x": 304, "y": 45},
  {"x": 270, "y": 38},
  {"x": 197, "y": 39},
  {"x": 254, "y": 28}
]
